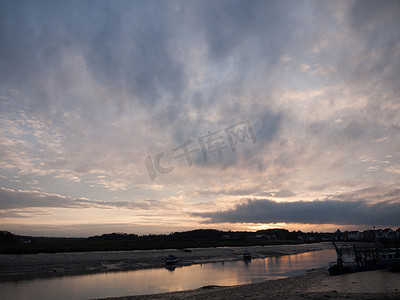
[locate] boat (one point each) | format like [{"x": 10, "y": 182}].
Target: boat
[
  {"x": 246, "y": 256},
  {"x": 171, "y": 260},
  {"x": 366, "y": 259}
]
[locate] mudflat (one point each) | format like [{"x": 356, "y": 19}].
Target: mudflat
[{"x": 316, "y": 284}]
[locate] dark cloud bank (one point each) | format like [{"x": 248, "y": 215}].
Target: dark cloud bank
[{"x": 359, "y": 212}]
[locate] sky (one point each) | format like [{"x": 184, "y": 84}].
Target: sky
[{"x": 154, "y": 117}]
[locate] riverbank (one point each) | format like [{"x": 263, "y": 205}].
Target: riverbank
[
  {"x": 317, "y": 284},
  {"x": 29, "y": 266}
]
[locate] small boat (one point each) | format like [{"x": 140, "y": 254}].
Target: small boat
[
  {"x": 171, "y": 260},
  {"x": 246, "y": 256}
]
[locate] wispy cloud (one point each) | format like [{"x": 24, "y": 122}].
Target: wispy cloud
[{"x": 11, "y": 199}]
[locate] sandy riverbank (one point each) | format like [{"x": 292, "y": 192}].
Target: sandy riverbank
[
  {"x": 316, "y": 284},
  {"x": 26, "y": 266}
]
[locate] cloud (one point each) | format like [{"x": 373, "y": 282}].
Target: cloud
[
  {"x": 108, "y": 83},
  {"x": 89, "y": 90},
  {"x": 245, "y": 190},
  {"x": 345, "y": 209},
  {"x": 375, "y": 57},
  {"x": 231, "y": 24},
  {"x": 11, "y": 199},
  {"x": 12, "y": 214},
  {"x": 125, "y": 45},
  {"x": 21, "y": 200}
]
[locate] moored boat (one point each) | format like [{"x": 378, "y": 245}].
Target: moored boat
[
  {"x": 366, "y": 259},
  {"x": 171, "y": 260},
  {"x": 246, "y": 256}
]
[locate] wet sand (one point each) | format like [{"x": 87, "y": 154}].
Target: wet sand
[
  {"x": 28, "y": 266},
  {"x": 316, "y": 284}
]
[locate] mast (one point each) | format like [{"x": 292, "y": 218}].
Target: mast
[{"x": 339, "y": 254}]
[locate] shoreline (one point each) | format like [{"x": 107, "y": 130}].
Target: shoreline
[
  {"x": 315, "y": 284},
  {"x": 50, "y": 265}
]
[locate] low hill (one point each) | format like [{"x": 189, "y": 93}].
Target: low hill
[{"x": 11, "y": 243}]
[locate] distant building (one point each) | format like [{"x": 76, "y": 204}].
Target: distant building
[
  {"x": 338, "y": 235},
  {"x": 327, "y": 236},
  {"x": 369, "y": 235},
  {"x": 355, "y": 236},
  {"x": 389, "y": 234},
  {"x": 380, "y": 234},
  {"x": 386, "y": 234}
]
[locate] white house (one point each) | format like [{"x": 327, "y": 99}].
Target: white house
[
  {"x": 389, "y": 234},
  {"x": 380, "y": 234},
  {"x": 356, "y": 235}
]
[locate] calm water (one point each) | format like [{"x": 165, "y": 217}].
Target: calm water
[{"x": 162, "y": 280}]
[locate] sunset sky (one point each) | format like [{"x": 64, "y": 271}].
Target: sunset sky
[{"x": 161, "y": 116}]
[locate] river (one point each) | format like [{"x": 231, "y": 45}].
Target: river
[{"x": 150, "y": 281}]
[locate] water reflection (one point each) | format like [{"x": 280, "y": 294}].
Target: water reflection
[
  {"x": 165, "y": 279},
  {"x": 171, "y": 267}
]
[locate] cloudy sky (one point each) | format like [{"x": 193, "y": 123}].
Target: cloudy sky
[{"x": 161, "y": 116}]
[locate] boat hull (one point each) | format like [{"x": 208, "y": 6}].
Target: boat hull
[
  {"x": 171, "y": 260},
  {"x": 339, "y": 270}
]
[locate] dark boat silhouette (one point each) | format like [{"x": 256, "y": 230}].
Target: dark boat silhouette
[
  {"x": 246, "y": 256},
  {"x": 171, "y": 260}
]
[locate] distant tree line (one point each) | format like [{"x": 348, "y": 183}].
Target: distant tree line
[{"x": 10, "y": 243}]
